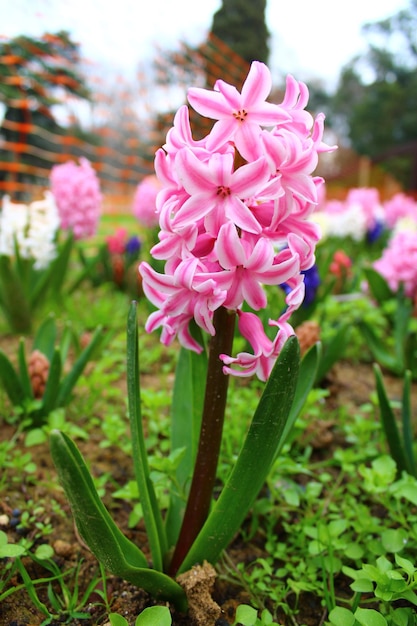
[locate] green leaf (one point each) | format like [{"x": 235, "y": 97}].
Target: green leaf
[
  {"x": 151, "y": 513},
  {"x": 44, "y": 551},
  {"x": 50, "y": 397},
  {"x": 332, "y": 351},
  {"x": 11, "y": 550},
  {"x": 117, "y": 620},
  {"x": 394, "y": 539},
  {"x": 402, "y": 317},
  {"x": 407, "y": 565},
  {"x": 10, "y": 381},
  {"x": 68, "y": 383},
  {"x": 95, "y": 525},
  {"x": 389, "y": 423},
  {"x": 370, "y": 617},
  {"x": 380, "y": 354},
  {"x": 408, "y": 435},
  {"x": 306, "y": 378},
  {"x": 378, "y": 286},
  {"x": 23, "y": 370},
  {"x": 246, "y": 615},
  {"x": 52, "y": 278},
  {"x": 254, "y": 461},
  {"x": 154, "y": 616},
  {"x": 14, "y": 299},
  {"x": 339, "y": 616},
  {"x": 362, "y": 585},
  {"x": 45, "y": 337},
  {"x": 186, "y": 412}
]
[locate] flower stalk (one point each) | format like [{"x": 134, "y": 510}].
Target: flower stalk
[{"x": 201, "y": 490}]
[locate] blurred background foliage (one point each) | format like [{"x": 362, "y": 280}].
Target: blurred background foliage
[{"x": 55, "y": 109}]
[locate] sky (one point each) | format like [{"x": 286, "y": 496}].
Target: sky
[{"x": 310, "y": 38}]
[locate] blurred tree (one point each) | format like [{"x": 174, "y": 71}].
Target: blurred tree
[
  {"x": 375, "y": 102},
  {"x": 241, "y": 25},
  {"x": 35, "y": 75}
]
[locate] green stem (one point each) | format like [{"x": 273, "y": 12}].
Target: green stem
[{"x": 201, "y": 490}]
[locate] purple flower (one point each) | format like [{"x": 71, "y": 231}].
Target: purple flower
[{"x": 133, "y": 246}]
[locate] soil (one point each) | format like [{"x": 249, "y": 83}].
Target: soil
[{"x": 348, "y": 385}]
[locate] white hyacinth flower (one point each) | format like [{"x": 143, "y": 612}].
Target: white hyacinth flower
[{"x": 33, "y": 227}]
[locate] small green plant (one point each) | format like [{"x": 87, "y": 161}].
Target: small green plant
[
  {"x": 37, "y": 386},
  {"x": 151, "y": 616},
  {"x": 64, "y": 600},
  {"x": 246, "y": 615},
  {"x": 385, "y": 583}
]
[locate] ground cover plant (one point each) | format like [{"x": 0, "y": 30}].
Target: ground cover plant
[{"x": 324, "y": 530}]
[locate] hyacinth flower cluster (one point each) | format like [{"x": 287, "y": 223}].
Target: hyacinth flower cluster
[
  {"x": 144, "y": 201},
  {"x": 398, "y": 263},
  {"x": 76, "y": 189},
  {"x": 234, "y": 215},
  {"x": 360, "y": 216},
  {"x": 32, "y": 228}
]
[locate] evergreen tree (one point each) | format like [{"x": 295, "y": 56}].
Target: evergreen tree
[
  {"x": 241, "y": 25},
  {"x": 377, "y": 94}
]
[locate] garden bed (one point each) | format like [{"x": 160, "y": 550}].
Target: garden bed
[{"x": 276, "y": 542}]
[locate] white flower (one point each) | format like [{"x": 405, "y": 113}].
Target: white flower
[{"x": 33, "y": 227}]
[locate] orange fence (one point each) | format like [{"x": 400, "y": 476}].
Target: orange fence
[{"x": 122, "y": 152}]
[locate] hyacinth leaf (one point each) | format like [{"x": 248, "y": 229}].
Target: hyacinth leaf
[
  {"x": 151, "y": 512},
  {"x": 333, "y": 351},
  {"x": 23, "y": 370},
  {"x": 67, "y": 338},
  {"x": 381, "y": 355},
  {"x": 402, "y": 317},
  {"x": 50, "y": 397},
  {"x": 254, "y": 462},
  {"x": 13, "y": 298},
  {"x": 11, "y": 382},
  {"x": 60, "y": 263},
  {"x": 389, "y": 424},
  {"x": 68, "y": 383},
  {"x": 45, "y": 337},
  {"x": 52, "y": 278},
  {"x": 306, "y": 378},
  {"x": 186, "y": 412},
  {"x": 407, "y": 425},
  {"x": 96, "y": 527},
  {"x": 378, "y": 286}
]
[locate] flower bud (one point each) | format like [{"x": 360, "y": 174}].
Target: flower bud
[
  {"x": 38, "y": 367},
  {"x": 308, "y": 333}
]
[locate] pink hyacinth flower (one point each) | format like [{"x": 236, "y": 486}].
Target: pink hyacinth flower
[
  {"x": 144, "y": 201},
  {"x": 239, "y": 115},
  {"x": 230, "y": 227},
  {"x": 76, "y": 190},
  {"x": 265, "y": 351},
  {"x": 398, "y": 264}
]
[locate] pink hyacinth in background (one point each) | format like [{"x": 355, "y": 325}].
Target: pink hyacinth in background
[
  {"x": 227, "y": 230},
  {"x": 399, "y": 207},
  {"x": 144, "y": 201},
  {"x": 398, "y": 264},
  {"x": 76, "y": 189}
]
